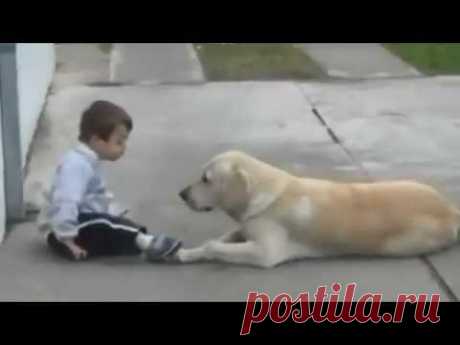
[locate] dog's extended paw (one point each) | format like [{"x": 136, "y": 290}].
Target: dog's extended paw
[
  {"x": 183, "y": 255},
  {"x": 190, "y": 255},
  {"x": 210, "y": 246}
]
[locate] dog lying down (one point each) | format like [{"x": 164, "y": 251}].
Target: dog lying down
[{"x": 284, "y": 217}]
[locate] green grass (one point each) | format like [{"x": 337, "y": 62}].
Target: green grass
[
  {"x": 429, "y": 58},
  {"x": 105, "y": 47},
  {"x": 235, "y": 62}
]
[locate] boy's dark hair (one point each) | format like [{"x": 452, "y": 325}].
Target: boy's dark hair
[{"x": 101, "y": 119}]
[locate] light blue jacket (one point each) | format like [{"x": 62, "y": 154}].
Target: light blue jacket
[{"x": 77, "y": 187}]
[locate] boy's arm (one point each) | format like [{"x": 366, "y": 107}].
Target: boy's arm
[
  {"x": 69, "y": 189},
  {"x": 115, "y": 208}
]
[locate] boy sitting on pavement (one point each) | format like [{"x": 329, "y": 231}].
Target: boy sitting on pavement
[{"x": 80, "y": 219}]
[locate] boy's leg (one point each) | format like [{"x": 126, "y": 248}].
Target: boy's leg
[{"x": 105, "y": 235}]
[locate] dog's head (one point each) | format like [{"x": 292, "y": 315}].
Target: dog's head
[{"x": 233, "y": 182}]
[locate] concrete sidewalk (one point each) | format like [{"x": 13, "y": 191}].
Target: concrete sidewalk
[
  {"x": 386, "y": 128},
  {"x": 80, "y": 64},
  {"x": 154, "y": 63},
  {"x": 358, "y": 61},
  {"x": 146, "y": 63}
]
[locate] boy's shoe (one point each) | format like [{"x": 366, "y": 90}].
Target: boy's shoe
[{"x": 162, "y": 247}]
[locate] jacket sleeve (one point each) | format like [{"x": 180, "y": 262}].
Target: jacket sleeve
[{"x": 69, "y": 187}]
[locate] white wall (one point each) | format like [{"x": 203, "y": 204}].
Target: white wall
[
  {"x": 35, "y": 69},
  {"x": 35, "y": 66}
]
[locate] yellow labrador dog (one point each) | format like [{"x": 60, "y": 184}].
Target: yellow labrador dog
[{"x": 284, "y": 217}]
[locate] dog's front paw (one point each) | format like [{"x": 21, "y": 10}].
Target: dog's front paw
[
  {"x": 190, "y": 255},
  {"x": 209, "y": 247},
  {"x": 183, "y": 255}
]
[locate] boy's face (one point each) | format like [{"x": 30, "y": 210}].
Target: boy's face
[{"x": 114, "y": 147}]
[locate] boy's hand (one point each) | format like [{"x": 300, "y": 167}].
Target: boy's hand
[
  {"x": 78, "y": 252},
  {"x": 117, "y": 209}
]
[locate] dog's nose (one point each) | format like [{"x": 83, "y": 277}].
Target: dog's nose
[{"x": 184, "y": 193}]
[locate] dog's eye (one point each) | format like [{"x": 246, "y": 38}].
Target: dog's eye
[{"x": 204, "y": 178}]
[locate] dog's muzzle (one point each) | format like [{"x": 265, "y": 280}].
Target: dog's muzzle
[{"x": 185, "y": 195}]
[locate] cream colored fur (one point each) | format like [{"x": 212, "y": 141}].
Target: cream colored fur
[{"x": 284, "y": 217}]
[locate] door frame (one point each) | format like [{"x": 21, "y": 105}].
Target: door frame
[{"x": 11, "y": 135}]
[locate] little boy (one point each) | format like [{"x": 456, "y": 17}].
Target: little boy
[{"x": 80, "y": 219}]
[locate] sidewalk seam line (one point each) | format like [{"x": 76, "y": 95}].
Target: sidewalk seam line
[
  {"x": 334, "y": 137},
  {"x": 440, "y": 279}
]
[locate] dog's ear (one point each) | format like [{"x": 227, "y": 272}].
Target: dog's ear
[{"x": 243, "y": 176}]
